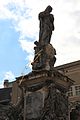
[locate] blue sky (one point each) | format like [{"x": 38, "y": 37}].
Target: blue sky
[
  {"x": 12, "y": 56},
  {"x": 19, "y": 28}
]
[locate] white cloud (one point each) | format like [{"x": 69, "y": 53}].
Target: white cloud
[
  {"x": 27, "y": 46},
  {"x": 1, "y": 85},
  {"x": 9, "y": 75}
]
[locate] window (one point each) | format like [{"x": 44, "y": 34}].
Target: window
[
  {"x": 70, "y": 92},
  {"x": 77, "y": 89}
]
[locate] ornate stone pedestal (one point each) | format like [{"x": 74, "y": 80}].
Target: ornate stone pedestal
[{"x": 45, "y": 95}]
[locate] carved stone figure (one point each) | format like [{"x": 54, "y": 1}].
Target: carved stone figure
[
  {"x": 46, "y": 25},
  {"x": 44, "y": 52},
  {"x": 55, "y": 105},
  {"x": 44, "y": 57}
]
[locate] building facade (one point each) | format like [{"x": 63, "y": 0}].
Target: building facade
[{"x": 72, "y": 70}]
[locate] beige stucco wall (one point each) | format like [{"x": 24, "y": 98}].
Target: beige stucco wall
[{"x": 72, "y": 70}]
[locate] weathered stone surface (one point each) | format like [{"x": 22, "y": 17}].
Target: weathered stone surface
[
  {"x": 44, "y": 56},
  {"x": 38, "y": 79},
  {"x": 47, "y": 103},
  {"x": 55, "y": 105},
  {"x": 7, "y": 112},
  {"x": 44, "y": 97},
  {"x": 51, "y": 84},
  {"x": 34, "y": 105},
  {"x": 12, "y": 112}
]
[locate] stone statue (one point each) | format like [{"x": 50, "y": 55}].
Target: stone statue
[
  {"x": 46, "y": 25},
  {"x": 44, "y": 52}
]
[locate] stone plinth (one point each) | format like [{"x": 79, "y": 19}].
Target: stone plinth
[{"x": 45, "y": 95}]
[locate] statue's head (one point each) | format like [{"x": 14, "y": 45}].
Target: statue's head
[{"x": 49, "y": 8}]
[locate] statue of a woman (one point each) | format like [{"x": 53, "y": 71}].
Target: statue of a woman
[
  {"x": 46, "y": 26},
  {"x": 44, "y": 51}
]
